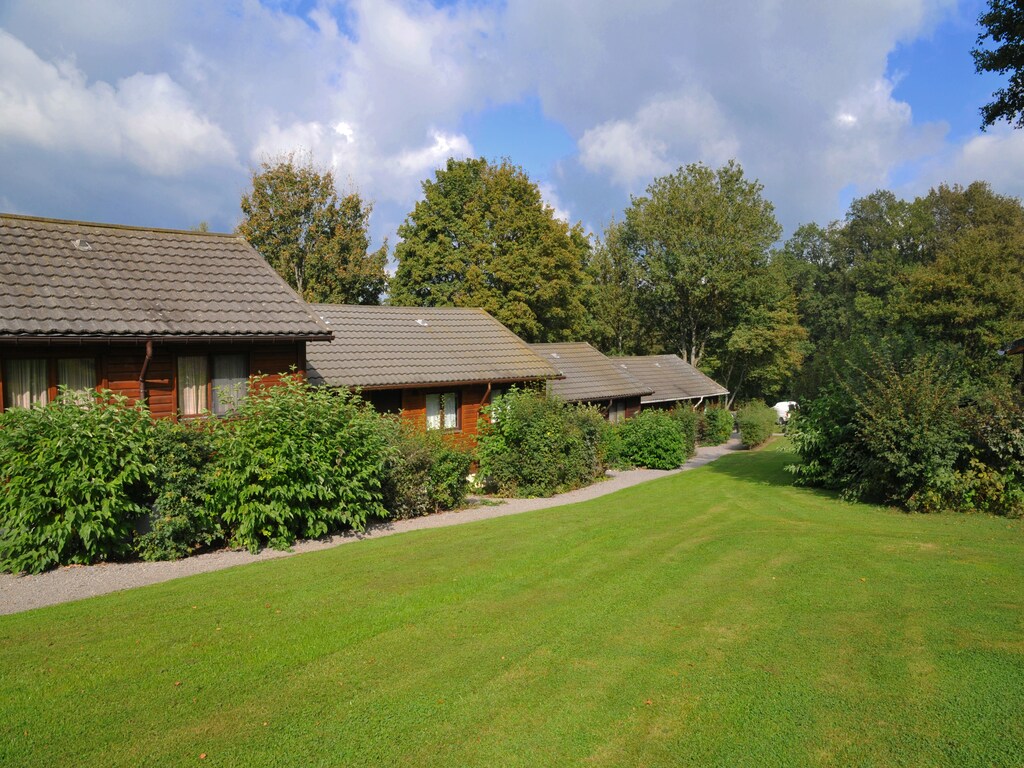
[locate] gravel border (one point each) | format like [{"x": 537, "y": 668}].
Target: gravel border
[{"x": 22, "y": 593}]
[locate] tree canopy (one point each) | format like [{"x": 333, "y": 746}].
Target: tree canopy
[
  {"x": 482, "y": 236},
  {"x": 942, "y": 273},
  {"x": 700, "y": 241},
  {"x": 313, "y": 238},
  {"x": 1003, "y": 25}
]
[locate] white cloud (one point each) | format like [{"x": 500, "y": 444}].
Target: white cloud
[
  {"x": 652, "y": 143},
  {"x": 996, "y": 157},
  {"x": 379, "y": 90},
  {"x": 147, "y": 120},
  {"x": 550, "y": 197}
]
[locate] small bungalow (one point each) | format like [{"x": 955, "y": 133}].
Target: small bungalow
[
  {"x": 671, "y": 380},
  {"x": 178, "y": 320},
  {"x": 438, "y": 366},
  {"x": 592, "y": 378}
]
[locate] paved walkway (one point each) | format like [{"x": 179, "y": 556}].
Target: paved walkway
[{"x": 21, "y": 593}]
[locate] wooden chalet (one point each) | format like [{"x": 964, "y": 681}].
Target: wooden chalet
[
  {"x": 672, "y": 381},
  {"x": 179, "y": 320},
  {"x": 438, "y": 366},
  {"x": 592, "y": 378}
]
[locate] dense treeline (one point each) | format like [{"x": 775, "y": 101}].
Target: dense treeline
[{"x": 906, "y": 304}]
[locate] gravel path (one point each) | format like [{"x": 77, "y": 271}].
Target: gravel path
[{"x": 21, "y": 593}]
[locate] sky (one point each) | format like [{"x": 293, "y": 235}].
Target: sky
[{"x": 156, "y": 113}]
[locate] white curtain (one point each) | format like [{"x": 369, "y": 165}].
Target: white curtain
[
  {"x": 433, "y": 411},
  {"x": 450, "y": 406},
  {"x": 25, "y": 383},
  {"x": 193, "y": 376},
  {"x": 77, "y": 374},
  {"x": 230, "y": 378}
]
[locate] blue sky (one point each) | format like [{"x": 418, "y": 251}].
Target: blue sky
[{"x": 155, "y": 113}]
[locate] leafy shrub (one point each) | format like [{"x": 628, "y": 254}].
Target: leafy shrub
[
  {"x": 533, "y": 445},
  {"x": 75, "y": 477},
  {"x": 298, "y": 461},
  {"x": 910, "y": 434},
  {"x": 715, "y": 426},
  {"x": 181, "y": 520},
  {"x": 654, "y": 439},
  {"x": 424, "y": 474},
  {"x": 757, "y": 423},
  {"x": 686, "y": 420}
]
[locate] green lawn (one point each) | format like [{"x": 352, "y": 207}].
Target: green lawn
[{"x": 717, "y": 617}]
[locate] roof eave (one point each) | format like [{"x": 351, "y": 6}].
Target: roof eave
[
  {"x": 435, "y": 384},
  {"x": 135, "y": 338}
]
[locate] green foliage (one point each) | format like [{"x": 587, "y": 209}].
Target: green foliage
[
  {"x": 1003, "y": 25},
  {"x": 181, "y": 520},
  {"x": 914, "y": 435},
  {"x": 686, "y": 420},
  {"x": 74, "y": 476},
  {"x": 655, "y": 439},
  {"x": 700, "y": 241},
  {"x": 298, "y": 461},
  {"x": 943, "y": 272},
  {"x": 757, "y": 423},
  {"x": 482, "y": 236},
  {"x": 533, "y": 445},
  {"x": 715, "y": 426},
  {"x": 617, "y": 323},
  {"x": 424, "y": 473},
  {"x": 315, "y": 240}
]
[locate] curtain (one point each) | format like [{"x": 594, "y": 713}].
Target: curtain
[
  {"x": 77, "y": 374},
  {"x": 230, "y": 378},
  {"x": 433, "y": 411},
  {"x": 450, "y": 406},
  {"x": 25, "y": 383},
  {"x": 193, "y": 377}
]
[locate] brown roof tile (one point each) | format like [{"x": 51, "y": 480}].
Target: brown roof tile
[
  {"x": 671, "y": 378},
  {"x": 406, "y": 346},
  {"x": 589, "y": 375},
  {"x": 78, "y": 279}
]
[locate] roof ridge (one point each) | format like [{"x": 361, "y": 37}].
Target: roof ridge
[{"x": 128, "y": 227}]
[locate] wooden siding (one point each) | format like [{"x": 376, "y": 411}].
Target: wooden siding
[
  {"x": 471, "y": 399},
  {"x": 118, "y": 367}
]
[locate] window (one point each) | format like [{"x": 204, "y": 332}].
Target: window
[
  {"x": 214, "y": 383},
  {"x": 443, "y": 410},
  {"x": 36, "y": 381},
  {"x": 617, "y": 411}
]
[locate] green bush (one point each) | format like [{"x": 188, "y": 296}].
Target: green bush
[
  {"x": 910, "y": 433},
  {"x": 686, "y": 420},
  {"x": 424, "y": 474},
  {"x": 757, "y": 423},
  {"x": 75, "y": 476},
  {"x": 297, "y": 461},
  {"x": 181, "y": 520},
  {"x": 533, "y": 445},
  {"x": 715, "y": 426},
  {"x": 654, "y": 439}
]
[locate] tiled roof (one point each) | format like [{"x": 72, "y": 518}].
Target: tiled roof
[
  {"x": 589, "y": 375},
  {"x": 671, "y": 378},
  {"x": 407, "y": 346},
  {"x": 77, "y": 279}
]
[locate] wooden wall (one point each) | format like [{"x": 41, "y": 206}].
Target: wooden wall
[
  {"x": 471, "y": 399},
  {"x": 118, "y": 366}
]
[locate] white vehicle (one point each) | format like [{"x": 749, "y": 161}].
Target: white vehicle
[{"x": 783, "y": 409}]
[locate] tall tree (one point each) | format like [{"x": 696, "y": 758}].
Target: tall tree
[
  {"x": 616, "y": 320},
  {"x": 700, "y": 239},
  {"x": 315, "y": 240},
  {"x": 482, "y": 236},
  {"x": 1003, "y": 25}
]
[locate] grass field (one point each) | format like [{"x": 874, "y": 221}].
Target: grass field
[{"x": 717, "y": 617}]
